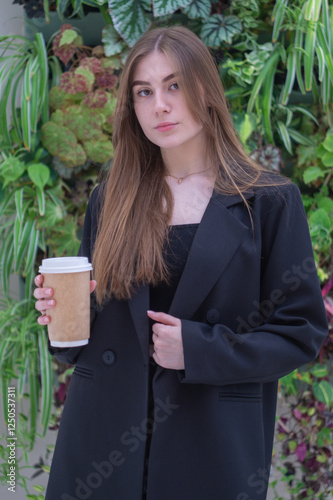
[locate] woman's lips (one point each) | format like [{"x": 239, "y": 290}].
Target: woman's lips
[{"x": 165, "y": 126}]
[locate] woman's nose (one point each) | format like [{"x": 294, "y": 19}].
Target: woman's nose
[{"x": 161, "y": 103}]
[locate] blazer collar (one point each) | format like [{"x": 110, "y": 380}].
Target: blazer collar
[{"x": 218, "y": 237}]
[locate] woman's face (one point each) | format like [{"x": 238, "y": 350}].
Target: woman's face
[{"x": 160, "y": 105}]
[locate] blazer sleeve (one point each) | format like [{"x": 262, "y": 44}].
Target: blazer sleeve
[
  {"x": 296, "y": 327},
  {"x": 70, "y": 354}
]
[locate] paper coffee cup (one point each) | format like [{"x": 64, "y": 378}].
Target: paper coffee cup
[{"x": 70, "y": 317}]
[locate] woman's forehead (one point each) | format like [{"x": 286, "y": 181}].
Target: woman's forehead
[{"x": 156, "y": 64}]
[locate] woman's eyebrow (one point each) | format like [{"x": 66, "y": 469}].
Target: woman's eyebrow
[{"x": 165, "y": 79}]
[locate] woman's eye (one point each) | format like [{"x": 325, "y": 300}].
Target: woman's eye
[
  {"x": 144, "y": 92},
  {"x": 174, "y": 86}
]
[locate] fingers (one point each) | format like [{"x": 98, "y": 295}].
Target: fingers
[
  {"x": 93, "y": 284},
  {"x": 44, "y": 300},
  {"x": 43, "y": 320},
  {"x": 165, "y": 319},
  {"x": 39, "y": 280}
]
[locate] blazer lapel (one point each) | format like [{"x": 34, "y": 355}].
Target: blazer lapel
[{"x": 218, "y": 237}]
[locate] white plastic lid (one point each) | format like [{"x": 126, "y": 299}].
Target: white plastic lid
[{"x": 60, "y": 265}]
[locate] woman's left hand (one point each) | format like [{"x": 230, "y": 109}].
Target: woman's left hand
[{"x": 168, "y": 341}]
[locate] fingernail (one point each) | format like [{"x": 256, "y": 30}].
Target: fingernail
[
  {"x": 152, "y": 312},
  {"x": 50, "y": 302},
  {"x": 48, "y": 291}
]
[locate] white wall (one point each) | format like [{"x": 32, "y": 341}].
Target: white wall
[{"x": 11, "y": 18}]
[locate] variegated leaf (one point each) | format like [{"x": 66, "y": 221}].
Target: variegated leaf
[
  {"x": 218, "y": 29},
  {"x": 113, "y": 43},
  {"x": 164, "y": 7},
  {"x": 129, "y": 19},
  {"x": 198, "y": 9}
]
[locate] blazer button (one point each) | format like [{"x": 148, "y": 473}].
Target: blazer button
[
  {"x": 213, "y": 315},
  {"x": 108, "y": 357}
]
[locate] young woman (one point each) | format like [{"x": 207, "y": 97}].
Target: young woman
[{"x": 206, "y": 294}]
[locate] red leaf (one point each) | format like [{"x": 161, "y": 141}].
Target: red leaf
[
  {"x": 106, "y": 79},
  {"x": 61, "y": 393},
  {"x": 72, "y": 83},
  {"x": 65, "y": 27},
  {"x": 96, "y": 99},
  {"x": 65, "y": 52},
  {"x": 327, "y": 451},
  {"x": 297, "y": 414},
  {"x": 321, "y": 407},
  {"x": 300, "y": 452},
  {"x": 92, "y": 63}
]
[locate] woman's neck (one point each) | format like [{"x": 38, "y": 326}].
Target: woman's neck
[{"x": 185, "y": 159}]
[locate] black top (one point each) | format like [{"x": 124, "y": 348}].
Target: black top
[{"x": 176, "y": 252}]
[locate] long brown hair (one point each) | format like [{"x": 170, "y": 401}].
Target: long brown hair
[{"x": 138, "y": 203}]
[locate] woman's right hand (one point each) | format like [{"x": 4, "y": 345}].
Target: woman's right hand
[{"x": 45, "y": 300}]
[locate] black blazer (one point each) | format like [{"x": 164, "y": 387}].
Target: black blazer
[{"x": 251, "y": 311}]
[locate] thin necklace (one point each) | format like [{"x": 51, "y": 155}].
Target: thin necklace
[{"x": 180, "y": 179}]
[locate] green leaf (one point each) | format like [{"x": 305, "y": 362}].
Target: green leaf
[
  {"x": 112, "y": 42},
  {"x": 292, "y": 445},
  {"x": 218, "y": 29},
  {"x": 284, "y": 134},
  {"x": 99, "y": 151},
  {"x": 312, "y": 174},
  {"x": 321, "y": 219},
  {"x": 23, "y": 243},
  {"x": 299, "y": 138},
  {"x": 309, "y": 47},
  {"x": 267, "y": 70},
  {"x": 326, "y": 204},
  {"x": 26, "y": 107},
  {"x": 290, "y": 78},
  {"x": 326, "y": 49},
  {"x": 328, "y": 143},
  {"x": 289, "y": 382},
  {"x": 39, "y": 174},
  {"x": 277, "y": 17},
  {"x": 46, "y": 379},
  {"x": 67, "y": 37},
  {"x": 319, "y": 371},
  {"x": 245, "y": 127},
  {"x": 43, "y": 75},
  {"x": 85, "y": 123},
  {"x": 129, "y": 18},
  {"x": 165, "y": 7},
  {"x": 305, "y": 112},
  {"x": 64, "y": 237},
  {"x": 88, "y": 75},
  {"x": 327, "y": 159},
  {"x": 11, "y": 169},
  {"x": 34, "y": 394},
  {"x": 323, "y": 391},
  {"x": 62, "y": 7},
  {"x": 62, "y": 143},
  {"x": 39, "y": 487},
  {"x": 198, "y": 9},
  {"x": 32, "y": 250}
]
